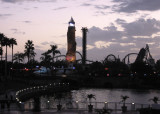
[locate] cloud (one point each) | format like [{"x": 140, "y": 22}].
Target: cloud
[
  {"x": 86, "y": 4},
  {"x": 60, "y": 8},
  {"x": 103, "y": 7},
  {"x": 3, "y": 16},
  {"x": 127, "y": 44},
  {"x": 15, "y": 1},
  {"x": 106, "y": 34},
  {"x": 27, "y": 21},
  {"x": 131, "y": 6},
  {"x": 141, "y": 37},
  {"x": 131, "y": 39},
  {"x": 102, "y": 44},
  {"x": 16, "y": 31},
  {"x": 142, "y": 27},
  {"x": 37, "y": 46},
  {"x": 44, "y": 43}
]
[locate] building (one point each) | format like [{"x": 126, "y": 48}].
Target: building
[{"x": 71, "y": 43}]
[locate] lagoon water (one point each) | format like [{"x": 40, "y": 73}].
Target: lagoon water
[
  {"x": 113, "y": 95},
  {"x": 102, "y": 96}
]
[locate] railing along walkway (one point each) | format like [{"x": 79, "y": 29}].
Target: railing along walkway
[{"x": 27, "y": 93}]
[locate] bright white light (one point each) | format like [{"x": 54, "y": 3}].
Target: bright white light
[{"x": 71, "y": 24}]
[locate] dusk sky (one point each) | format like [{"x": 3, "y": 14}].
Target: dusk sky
[{"x": 114, "y": 27}]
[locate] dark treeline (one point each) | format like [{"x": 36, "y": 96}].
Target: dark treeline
[{"x": 107, "y": 68}]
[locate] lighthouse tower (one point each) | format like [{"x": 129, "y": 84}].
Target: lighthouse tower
[{"x": 71, "y": 43}]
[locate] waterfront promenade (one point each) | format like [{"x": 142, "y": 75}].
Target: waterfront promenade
[
  {"x": 64, "y": 112},
  {"x": 17, "y": 109},
  {"x": 79, "y": 107}
]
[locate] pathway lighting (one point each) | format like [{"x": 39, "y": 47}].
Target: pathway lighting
[
  {"x": 105, "y": 102},
  {"x": 76, "y": 101}
]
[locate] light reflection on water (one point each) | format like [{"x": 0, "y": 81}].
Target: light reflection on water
[
  {"x": 113, "y": 95},
  {"x": 102, "y": 95}
]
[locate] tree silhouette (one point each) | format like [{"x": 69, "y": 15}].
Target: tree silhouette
[
  {"x": 1, "y": 51},
  {"x": 124, "y": 98},
  {"x": 46, "y": 58},
  {"x": 154, "y": 99},
  {"x": 7, "y": 43},
  {"x": 29, "y": 49},
  {"x": 2, "y": 37},
  {"x": 53, "y": 51},
  {"x": 18, "y": 57},
  {"x": 90, "y": 97},
  {"x": 157, "y": 66},
  {"x": 13, "y": 42}
]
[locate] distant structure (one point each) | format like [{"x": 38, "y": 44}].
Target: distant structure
[
  {"x": 111, "y": 58},
  {"x": 145, "y": 55},
  {"x": 84, "y": 42},
  {"x": 71, "y": 43}
]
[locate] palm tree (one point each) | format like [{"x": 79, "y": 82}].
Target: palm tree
[
  {"x": 155, "y": 100},
  {"x": 90, "y": 97},
  {"x": 2, "y": 43},
  {"x": 7, "y": 43},
  {"x": 18, "y": 57},
  {"x": 124, "y": 98},
  {"x": 29, "y": 49},
  {"x": 13, "y": 42},
  {"x": 54, "y": 51},
  {"x": 1, "y": 52},
  {"x": 45, "y": 57}
]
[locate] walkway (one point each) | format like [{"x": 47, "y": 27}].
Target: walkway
[
  {"x": 16, "y": 109},
  {"x": 62, "y": 112}
]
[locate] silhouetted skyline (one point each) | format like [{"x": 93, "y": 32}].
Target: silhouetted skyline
[{"x": 114, "y": 27}]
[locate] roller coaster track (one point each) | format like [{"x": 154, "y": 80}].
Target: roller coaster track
[{"x": 128, "y": 58}]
